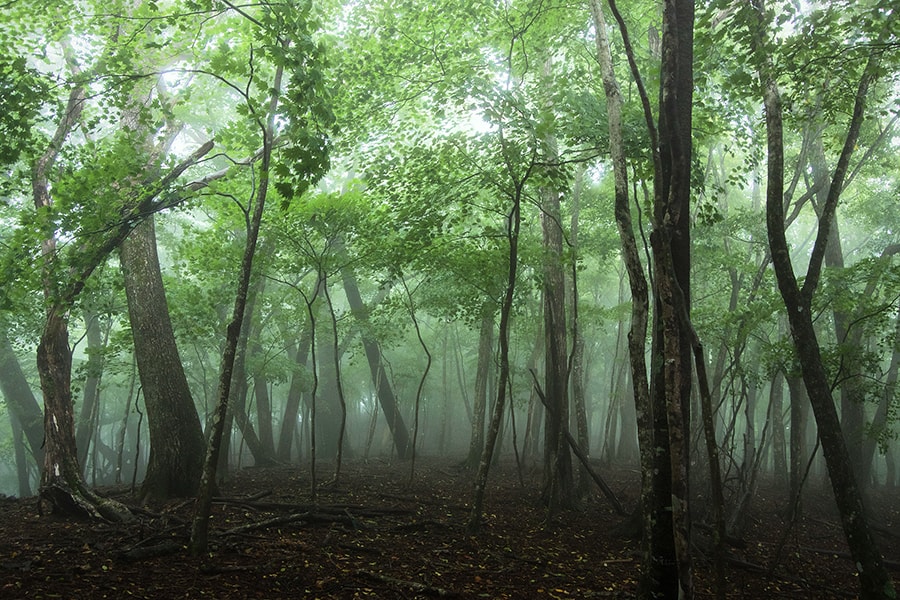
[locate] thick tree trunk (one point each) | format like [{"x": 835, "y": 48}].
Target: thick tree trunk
[
  {"x": 177, "y": 444},
  {"x": 672, "y": 261},
  {"x": 61, "y": 482},
  {"x": 559, "y": 483}
]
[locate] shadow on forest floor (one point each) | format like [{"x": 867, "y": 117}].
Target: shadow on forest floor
[{"x": 375, "y": 535}]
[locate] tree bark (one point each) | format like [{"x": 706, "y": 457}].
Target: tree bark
[
  {"x": 61, "y": 482},
  {"x": 559, "y": 482},
  {"x": 887, "y": 400},
  {"x": 671, "y": 244},
  {"x": 852, "y": 394},
  {"x": 776, "y": 419},
  {"x": 176, "y": 436}
]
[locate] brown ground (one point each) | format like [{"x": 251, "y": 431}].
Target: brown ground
[{"x": 377, "y": 536}]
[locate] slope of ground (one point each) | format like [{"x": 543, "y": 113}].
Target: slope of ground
[{"x": 376, "y": 534}]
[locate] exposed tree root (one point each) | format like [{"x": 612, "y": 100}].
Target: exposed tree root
[{"x": 83, "y": 504}]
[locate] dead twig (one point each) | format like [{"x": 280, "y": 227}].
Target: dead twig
[{"x": 415, "y": 586}]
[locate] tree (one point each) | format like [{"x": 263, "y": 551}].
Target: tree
[
  {"x": 176, "y": 437},
  {"x": 303, "y": 101},
  {"x": 875, "y": 581},
  {"x": 559, "y": 485},
  {"x": 20, "y": 400},
  {"x": 667, "y": 556}
]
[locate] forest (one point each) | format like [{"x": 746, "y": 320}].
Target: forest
[{"x": 450, "y": 271}]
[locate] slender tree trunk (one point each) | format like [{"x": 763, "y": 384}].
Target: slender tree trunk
[
  {"x": 513, "y": 226},
  {"x": 887, "y": 400},
  {"x": 382, "y": 384},
  {"x": 578, "y": 376},
  {"x": 776, "y": 416},
  {"x": 875, "y": 581},
  {"x": 20, "y": 456},
  {"x": 90, "y": 398},
  {"x": 339, "y": 384},
  {"x": 295, "y": 396},
  {"x": 640, "y": 302},
  {"x": 798, "y": 453},
  {"x": 200, "y": 522},
  {"x": 238, "y": 408},
  {"x": 20, "y": 400},
  {"x": 328, "y": 409},
  {"x": 261, "y": 398},
  {"x": 484, "y": 363},
  {"x": 852, "y": 393}
]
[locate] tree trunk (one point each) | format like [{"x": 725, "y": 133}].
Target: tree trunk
[
  {"x": 20, "y": 399},
  {"x": 887, "y": 400},
  {"x": 61, "y": 481},
  {"x": 874, "y": 580},
  {"x": 379, "y": 377},
  {"x": 264, "y": 413},
  {"x": 335, "y": 355},
  {"x": 640, "y": 303},
  {"x": 799, "y": 408},
  {"x": 578, "y": 376},
  {"x": 200, "y": 521},
  {"x": 776, "y": 419},
  {"x": 295, "y": 396},
  {"x": 90, "y": 403},
  {"x": 21, "y": 458},
  {"x": 671, "y": 245},
  {"x": 485, "y": 361},
  {"x": 513, "y": 227},
  {"x": 176, "y": 436},
  {"x": 852, "y": 393},
  {"x": 559, "y": 481}
]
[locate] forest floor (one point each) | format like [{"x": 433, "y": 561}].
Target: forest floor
[{"x": 376, "y": 534}]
